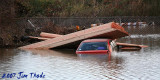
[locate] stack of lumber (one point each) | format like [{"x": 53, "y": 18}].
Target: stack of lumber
[{"x": 110, "y": 30}]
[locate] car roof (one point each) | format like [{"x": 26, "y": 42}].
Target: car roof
[{"x": 96, "y": 40}]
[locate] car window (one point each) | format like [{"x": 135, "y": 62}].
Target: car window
[{"x": 93, "y": 46}]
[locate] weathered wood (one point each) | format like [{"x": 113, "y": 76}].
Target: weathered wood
[
  {"x": 49, "y": 35},
  {"x": 130, "y": 48},
  {"x": 40, "y": 38},
  {"x": 110, "y": 30},
  {"x": 130, "y": 45},
  {"x": 45, "y": 36}
]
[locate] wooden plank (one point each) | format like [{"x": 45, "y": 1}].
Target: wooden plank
[
  {"x": 49, "y": 35},
  {"x": 130, "y": 48},
  {"x": 99, "y": 31},
  {"x": 131, "y": 45},
  {"x": 40, "y": 38},
  {"x": 45, "y": 36}
]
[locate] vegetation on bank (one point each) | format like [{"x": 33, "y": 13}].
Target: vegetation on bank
[
  {"x": 86, "y": 8},
  {"x": 11, "y": 32}
]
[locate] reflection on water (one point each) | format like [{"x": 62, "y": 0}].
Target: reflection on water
[
  {"x": 95, "y": 57},
  {"x": 66, "y": 65}
]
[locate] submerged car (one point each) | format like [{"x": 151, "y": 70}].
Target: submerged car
[{"x": 96, "y": 46}]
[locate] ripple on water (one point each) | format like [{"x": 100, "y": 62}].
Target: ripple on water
[{"x": 58, "y": 65}]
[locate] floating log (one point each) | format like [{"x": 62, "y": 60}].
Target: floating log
[
  {"x": 49, "y": 35},
  {"x": 110, "y": 30}
]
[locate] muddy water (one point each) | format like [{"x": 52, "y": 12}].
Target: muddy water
[{"x": 66, "y": 65}]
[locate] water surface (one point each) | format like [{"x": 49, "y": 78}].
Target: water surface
[{"x": 66, "y": 65}]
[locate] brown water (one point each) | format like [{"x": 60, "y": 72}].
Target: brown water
[{"x": 66, "y": 65}]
